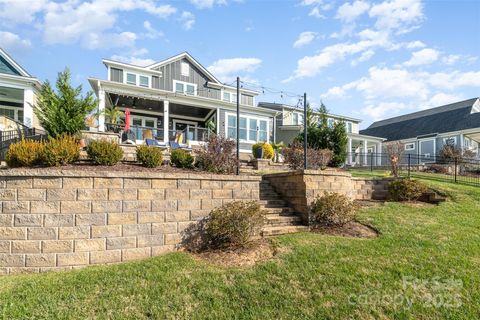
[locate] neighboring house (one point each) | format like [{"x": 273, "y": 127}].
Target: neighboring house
[
  {"x": 18, "y": 90},
  {"x": 179, "y": 96},
  {"x": 425, "y": 132},
  {"x": 289, "y": 123}
]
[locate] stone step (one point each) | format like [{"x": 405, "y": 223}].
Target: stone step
[
  {"x": 272, "y": 230},
  {"x": 379, "y": 195},
  {"x": 278, "y": 220},
  {"x": 278, "y": 202},
  {"x": 279, "y": 210}
]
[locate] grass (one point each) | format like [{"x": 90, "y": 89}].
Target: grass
[{"x": 314, "y": 276}]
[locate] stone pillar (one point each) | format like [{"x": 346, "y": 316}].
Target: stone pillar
[
  {"x": 28, "y": 97},
  {"x": 349, "y": 150},
  {"x": 365, "y": 153},
  {"x": 101, "y": 110},
  {"x": 166, "y": 120}
]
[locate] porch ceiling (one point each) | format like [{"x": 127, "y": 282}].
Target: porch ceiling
[
  {"x": 188, "y": 111},
  {"x": 474, "y": 136}
]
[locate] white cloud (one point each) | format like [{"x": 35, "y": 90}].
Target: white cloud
[
  {"x": 151, "y": 32},
  {"x": 415, "y": 45},
  {"x": 365, "y": 56},
  {"x": 334, "y": 92},
  {"x": 136, "y": 57},
  {"x": 18, "y": 11},
  {"x": 13, "y": 42},
  {"x": 451, "y": 59},
  {"x": 66, "y": 22},
  {"x": 422, "y": 57},
  {"x": 452, "y": 80},
  {"x": 305, "y": 38},
  {"x": 315, "y": 12},
  {"x": 380, "y": 110},
  {"x": 227, "y": 69},
  {"x": 442, "y": 98},
  {"x": 400, "y": 15},
  {"x": 348, "y": 12},
  {"x": 187, "y": 19},
  {"x": 203, "y": 4},
  {"x": 317, "y": 6}
]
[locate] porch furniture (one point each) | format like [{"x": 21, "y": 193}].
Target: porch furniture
[
  {"x": 147, "y": 134},
  {"x": 128, "y": 137},
  {"x": 155, "y": 143},
  {"x": 175, "y": 145}
]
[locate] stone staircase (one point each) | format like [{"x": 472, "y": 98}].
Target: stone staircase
[
  {"x": 432, "y": 197},
  {"x": 281, "y": 218},
  {"x": 246, "y": 167}
]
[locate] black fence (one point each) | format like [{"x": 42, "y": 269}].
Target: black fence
[
  {"x": 11, "y": 136},
  {"x": 435, "y": 167}
]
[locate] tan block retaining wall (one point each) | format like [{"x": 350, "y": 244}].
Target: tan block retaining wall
[
  {"x": 56, "y": 220},
  {"x": 301, "y": 187}
]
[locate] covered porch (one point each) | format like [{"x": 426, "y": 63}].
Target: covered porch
[
  {"x": 364, "y": 150},
  {"x": 165, "y": 120}
]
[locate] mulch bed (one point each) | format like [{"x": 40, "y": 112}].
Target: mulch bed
[
  {"x": 350, "y": 229},
  {"x": 260, "y": 250}
]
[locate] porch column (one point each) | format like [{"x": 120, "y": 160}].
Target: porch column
[
  {"x": 349, "y": 150},
  {"x": 28, "y": 107},
  {"x": 166, "y": 120},
  {"x": 365, "y": 153},
  {"x": 101, "y": 110}
]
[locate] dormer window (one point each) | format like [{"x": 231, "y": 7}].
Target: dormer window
[
  {"x": 229, "y": 97},
  {"x": 144, "y": 81},
  {"x": 185, "y": 88},
  {"x": 132, "y": 78}
]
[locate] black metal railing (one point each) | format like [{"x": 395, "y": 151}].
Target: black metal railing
[
  {"x": 435, "y": 167},
  {"x": 9, "y": 137}
]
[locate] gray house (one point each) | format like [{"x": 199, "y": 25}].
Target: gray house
[
  {"x": 289, "y": 123},
  {"x": 425, "y": 132},
  {"x": 177, "y": 97}
]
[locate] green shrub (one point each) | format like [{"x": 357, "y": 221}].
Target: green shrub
[
  {"x": 149, "y": 156},
  {"x": 268, "y": 152},
  {"x": 234, "y": 224},
  {"x": 406, "y": 189},
  {"x": 61, "y": 151},
  {"x": 25, "y": 153},
  {"x": 181, "y": 158},
  {"x": 104, "y": 152},
  {"x": 331, "y": 209}
]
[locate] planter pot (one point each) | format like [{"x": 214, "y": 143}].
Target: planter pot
[{"x": 258, "y": 153}]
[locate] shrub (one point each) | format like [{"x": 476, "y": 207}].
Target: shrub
[
  {"x": 437, "y": 168},
  {"x": 61, "y": 150},
  {"x": 218, "y": 155},
  {"x": 181, "y": 158},
  {"x": 234, "y": 224},
  {"x": 406, "y": 189},
  {"x": 24, "y": 153},
  {"x": 104, "y": 152},
  {"x": 316, "y": 158},
  {"x": 268, "y": 152},
  {"x": 331, "y": 209},
  {"x": 149, "y": 156}
]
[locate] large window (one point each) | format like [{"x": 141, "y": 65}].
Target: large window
[
  {"x": 297, "y": 119},
  {"x": 131, "y": 78},
  {"x": 229, "y": 97},
  {"x": 144, "y": 81},
  {"x": 185, "y": 88},
  {"x": 251, "y": 129}
]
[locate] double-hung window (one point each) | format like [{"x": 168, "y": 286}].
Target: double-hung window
[
  {"x": 229, "y": 97},
  {"x": 144, "y": 81},
  {"x": 262, "y": 131},
  {"x": 185, "y": 88},
  {"x": 349, "y": 127},
  {"x": 251, "y": 129},
  {"x": 132, "y": 78}
]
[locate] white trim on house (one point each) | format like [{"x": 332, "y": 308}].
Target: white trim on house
[
  {"x": 14, "y": 64},
  {"x": 122, "y": 65}
]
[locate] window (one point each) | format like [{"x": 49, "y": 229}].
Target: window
[
  {"x": 450, "y": 141},
  {"x": 144, "y": 81},
  {"x": 131, "y": 78},
  {"x": 116, "y": 75},
  {"x": 410, "y": 146},
  {"x": 300, "y": 119},
  {"x": 185, "y": 88},
  {"x": 349, "y": 127},
  {"x": 229, "y": 97},
  {"x": 234, "y": 97},
  {"x": 251, "y": 129},
  {"x": 226, "y": 96},
  {"x": 297, "y": 119},
  {"x": 179, "y": 87},
  {"x": 185, "y": 69},
  {"x": 7, "y": 113}
]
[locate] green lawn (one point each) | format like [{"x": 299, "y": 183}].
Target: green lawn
[{"x": 314, "y": 277}]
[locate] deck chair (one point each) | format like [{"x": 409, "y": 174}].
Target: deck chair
[
  {"x": 155, "y": 143},
  {"x": 176, "y": 145}
]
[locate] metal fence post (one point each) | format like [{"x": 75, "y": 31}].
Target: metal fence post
[
  {"x": 409, "y": 165},
  {"x": 455, "y": 170},
  {"x": 371, "y": 161}
]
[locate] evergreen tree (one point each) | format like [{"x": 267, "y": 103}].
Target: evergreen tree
[
  {"x": 338, "y": 143},
  {"x": 63, "y": 110}
]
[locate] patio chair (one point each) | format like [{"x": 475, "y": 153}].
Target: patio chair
[
  {"x": 176, "y": 145},
  {"x": 155, "y": 143},
  {"x": 147, "y": 134},
  {"x": 128, "y": 137}
]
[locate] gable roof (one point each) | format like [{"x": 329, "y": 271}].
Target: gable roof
[
  {"x": 447, "y": 118},
  {"x": 188, "y": 56},
  {"x": 10, "y": 66}
]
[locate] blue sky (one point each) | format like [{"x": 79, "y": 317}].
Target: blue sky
[{"x": 365, "y": 59}]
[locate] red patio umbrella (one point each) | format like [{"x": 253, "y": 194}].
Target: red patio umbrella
[{"x": 127, "y": 119}]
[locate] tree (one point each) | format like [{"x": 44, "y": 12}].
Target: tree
[
  {"x": 64, "y": 110},
  {"x": 395, "y": 151},
  {"x": 113, "y": 115},
  {"x": 338, "y": 143}
]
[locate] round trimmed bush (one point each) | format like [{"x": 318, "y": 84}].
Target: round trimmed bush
[
  {"x": 25, "y": 153},
  {"x": 234, "y": 224},
  {"x": 103, "y": 152},
  {"x": 268, "y": 152},
  {"x": 61, "y": 151},
  {"x": 331, "y": 209},
  {"x": 149, "y": 156},
  {"x": 181, "y": 158},
  {"x": 406, "y": 189}
]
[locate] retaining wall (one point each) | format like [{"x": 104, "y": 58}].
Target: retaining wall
[{"x": 56, "y": 220}]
